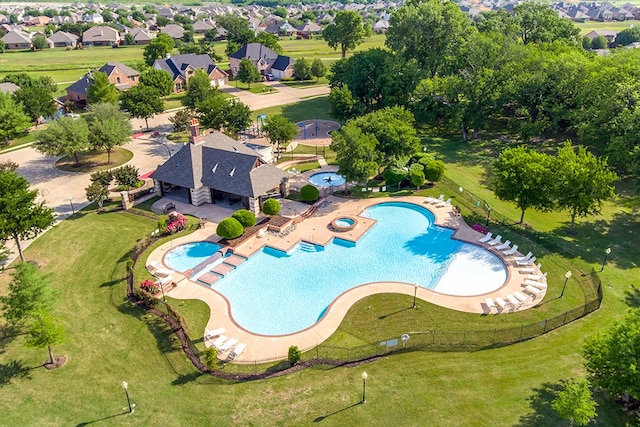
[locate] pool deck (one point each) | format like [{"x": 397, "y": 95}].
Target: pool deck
[{"x": 261, "y": 348}]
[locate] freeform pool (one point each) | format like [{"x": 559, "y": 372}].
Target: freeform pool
[
  {"x": 277, "y": 293},
  {"x": 187, "y": 256},
  {"x": 327, "y": 179}
]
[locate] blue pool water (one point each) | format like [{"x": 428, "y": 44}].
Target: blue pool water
[
  {"x": 189, "y": 255},
  {"x": 326, "y": 179},
  {"x": 344, "y": 222},
  {"x": 277, "y": 293}
]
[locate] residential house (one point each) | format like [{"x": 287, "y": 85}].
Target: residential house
[
  {"x": 140, "y": 35},
  {"x": 202, "y": 26},
  {"x": 101, "y": 36},
  {"x": 120, "y": 75},
  {"x": 182, "y": 67},
  {"x": 17, "y": 40},
  {"x": 64, "y": 39},
  {"x": 39, "y": 21},
  {"x": 92, "y": 18},
  {"x": 308, "y": 29},
  {"x": 609, "y": 35},
  {"x": 214, "y": 168},
  {"x": 174, "y": 31},
  {"x": 381, "y": 26},
  {"x": 263, "y": 59}
]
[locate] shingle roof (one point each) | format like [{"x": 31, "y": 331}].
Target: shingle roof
[
  {"x": 176, "y": 65},
  {"x": 254, "y": 52},
  {"x": 16, "y": 37},
  {"x": 110, "y": 66},
  {"x": 63, "y": 37},
  {"x": 282, "y": 63},
  {"x": 220, "y": 163},
  {"x": 81, "y": 85}
]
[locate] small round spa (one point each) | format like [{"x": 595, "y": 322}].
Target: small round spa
[{"x": 343, "y": 223}]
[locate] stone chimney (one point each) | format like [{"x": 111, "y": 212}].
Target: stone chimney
[{"x": 195, "y": 137}]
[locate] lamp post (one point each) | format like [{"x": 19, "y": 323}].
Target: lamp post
[
  {"x": 567, "y": 276},
  {"x": 364, "y": 387},
  {"x": 415, "y": 292},
  {"x": 73, "y": 211},
  {"x": 125, "y": 386},
  {"x": 606, "y": 254}
]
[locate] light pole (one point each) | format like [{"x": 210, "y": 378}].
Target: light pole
[
  {"x": 73, "y": 211},
  {"x": 364, "y": 387},
  {"x": 415, "y": 292},
  {"x": 606, "y": 254},
  {"x": 567, "y": 276},
  {"x": 125, "y": 386}
]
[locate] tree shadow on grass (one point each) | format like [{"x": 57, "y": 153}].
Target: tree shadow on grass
[
  {"x": 9, "y": 333},
  {"x": 13, "y": 369},
  {"x": 542, "y": 414},
  {"x": 632, "y": 297}
]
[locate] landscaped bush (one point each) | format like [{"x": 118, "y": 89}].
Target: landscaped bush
[
  {"x": 394, "y": 175},
  {"x": 245, "y": 217},
  {"x": 210, "y": 357},
  {"x": 434, "y": 170},
  {"x": 271, "y": 207},
  {"x": 177, "y": 222},
  {"x": 309, "y": 193},
  {"x": 104, "y": 178},
  {"x": 229, "y": 228},
  {"x": 126, "y": 176},
  {"x": 149, "y": 286},
  {"x": 294, "y": 355}
]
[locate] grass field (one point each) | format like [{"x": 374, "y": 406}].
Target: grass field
[{"x": 611, "y": 25}]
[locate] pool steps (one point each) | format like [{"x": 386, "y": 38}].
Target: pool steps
[
  {"x": 310, "y": 247},
  {"x": 218, "y": 271}
]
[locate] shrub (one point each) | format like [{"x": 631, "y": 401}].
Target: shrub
[
  {"x": 210, "y": 357},
  {"x": 126, "y": 176},
  {"x": 394, "y": 175},
  {"x": 294, "y": 355},
  {"x": 434, "y": 170},
  {"x": 309, "y": 193},
  {"x": 417, "y": 177},
  {"x": 229, "y": 228},
  {"x": 245, "y": 217},
  {"x": 104, "y": 178},
  {"x": 271, "y": 207},
  {"x": 149, "y": 286},
  {"x": 176, "y": 223}
]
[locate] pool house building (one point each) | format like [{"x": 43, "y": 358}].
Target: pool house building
[{"x": 215, "y": 168}]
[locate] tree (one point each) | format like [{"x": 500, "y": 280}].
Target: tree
[
  {"x": 309, "y": 193},
  {"x": 434, "y": 33},
  {"x": 586, "y": 42},
  {"x": 582, "y": 181},
  {"x": 21, "y": 217},
  {"x": 541, "y": 24},
  {"x": 293, "y": 355},
  {"x": 212, "y": 111},
  {"x": 126, "y": 176},
  {"x": 108, "y": 127},
  {"x": 65, "y": 136},
  {"x": 302, "y": 69},
  {"x": 612, "y": 357},
  {"x": 101, "y": 90},
  {"x": 181, "y": 119},
  {"x": 210, "y": 357},
  {"x": 158, "y": 48},
  {"x": 30, "y": 292},
  {"x": 279, "y": 130},
  {"x": 269, "y": 40},
  {"x": 142, "y": 102},
  {"x": 157, "y": 79},
  {"x": 13, "y": 120},
  {"x": 237, "y": 117},
  {"x": 98, "y": 193},
  {"x": 318, "y": 69},
  {"x": 356, "y": 153},
  {"x": 3, "y": 46},
  {"x": 44, "y": 332},
  {"x": 599, "y": 42},
  {"x": 345, "y": 31},
  {"x": 434, "y": 170},
  {"x": 198, "y": 88},
  {"x": 248, "y": 73},
  {"x": 575, "y": 403},
  {"x": 39, "y": 42},
  {"x": 237, "y": 30},
  {"x": 129, "y": 39},
  {"x": 524, "y": 177},
  {"x": 628, "y": 36},
  {"x": 271, "y": 207},
  {"x": 342, "y": 104},
  {"x": 37, "y": 102},
  {"x": 416, "y": 174},
  {"x": 229, "y": 228}
]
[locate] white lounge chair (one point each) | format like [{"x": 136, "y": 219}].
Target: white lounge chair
[
  {"x": 528, "y": 261},
  {"x": 434, "y": 201},
  {"x": 213, "y": 333},
  {"x": 219, "y": 342},
  {"x": 537, "y": 277},
  {"x": 513, "y": 301},
  {"x": 495, "y": 241},
  {"x": 237, "y": 351},
  {"x": 511, "y": 251},
  {"x": 532, "y": 269},
  {"x": 524, "y": 300},
  {"x": 505, "y": 245},
  {"x": 527, "y": 256},
  {"x": 158, "y": 270},
  {"x": 539, "y": 285},
  {"x": 502, "y": 303},
  {"x": 164, "y": 280},
  {"x": 486, "y": 238},
  {"x": 227, "y": 345},
  {"x": 443, "y": 204},
  {"x": 533, "y": 290},
  {"x": 491, "y": 305}
]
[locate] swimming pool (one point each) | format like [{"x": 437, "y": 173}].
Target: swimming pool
[
  {"x": 187, "y": 256},
  {"x": 327, "y": 179},
  {"x": 277, "y": 293}
]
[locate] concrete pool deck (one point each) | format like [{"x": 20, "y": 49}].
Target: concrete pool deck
[{"x": 315, "y": 229}]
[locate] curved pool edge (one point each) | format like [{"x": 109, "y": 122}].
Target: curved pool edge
[{"x": 266, "y": 348}]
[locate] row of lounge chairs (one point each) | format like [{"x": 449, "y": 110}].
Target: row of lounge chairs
[
  {"x": 506, "y": 250},
  {"x": 511, "y": 302},
  {"x": 440, "y": 202},
  {"x": 223, "y": 343}
]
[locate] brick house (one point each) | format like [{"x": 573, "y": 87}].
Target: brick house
[{"x": 182, "y": 67}]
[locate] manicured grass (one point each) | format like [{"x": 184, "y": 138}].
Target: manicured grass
[
  {"x": 92, "y": 161},
  {"x": 610, "y": 25},
  {"x": 303, "y": 167},
  {"x": 300, "y": 84},
  {"x": 314, "y": 108},
  {"x": 173, "y": 101},
  {"x": 23, "y": 139}
]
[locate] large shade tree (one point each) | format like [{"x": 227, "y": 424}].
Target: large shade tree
[
  {"x": 157, "y": 79},
  {"x": 21, "y": 217},
  {"x": 198, "y": 88},
  {"x": 248, "y": 73},
  {"x": 279, "y": 130},
  {"x": 65, "y": 136},
  {"x": 37, "y": 102},
  {"x": 29, "y": 292},
  {"x": 108, "y": 127},
  {"x": 356, "y": 153},
  {"x": 101, "y": 90},
  {"x": 142, "y": 102},
  {"x": 13, "y": 120},
  {"x": 158, "y": 48},
  {"x": 346, "y": 31}
]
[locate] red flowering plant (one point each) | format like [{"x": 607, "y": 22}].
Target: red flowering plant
[
  {"x": 149, "y": 286},
  {"x": 177, "y": 222},
  {"x": 480, "y": 228}
]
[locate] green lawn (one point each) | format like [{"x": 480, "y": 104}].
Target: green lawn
[
  {"x": 611, "y": 25},
  {"x": 314, "y": 108}
]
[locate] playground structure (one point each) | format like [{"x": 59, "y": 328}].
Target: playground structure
[{"x": 315, "y": 129}]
